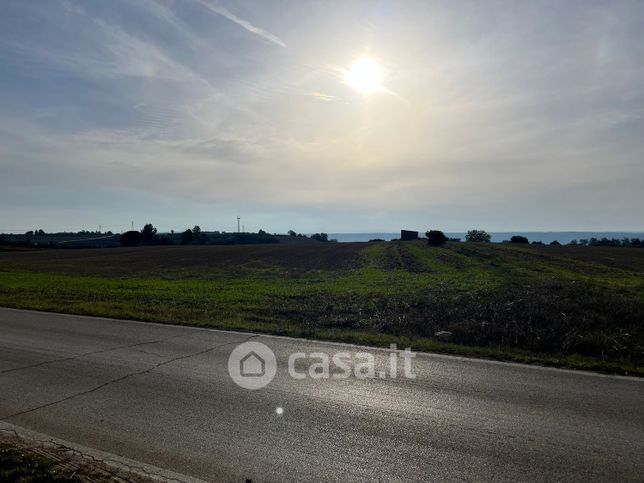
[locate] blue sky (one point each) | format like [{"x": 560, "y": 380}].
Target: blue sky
[{"x": 496, "y": 115}]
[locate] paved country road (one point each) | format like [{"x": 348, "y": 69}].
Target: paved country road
[{"x": 162, "y": 395}]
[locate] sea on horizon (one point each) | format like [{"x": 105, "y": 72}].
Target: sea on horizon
[{"x": 562, "y": 237}]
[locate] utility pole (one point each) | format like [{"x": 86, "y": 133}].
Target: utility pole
[{"x": 237, "y": 224}]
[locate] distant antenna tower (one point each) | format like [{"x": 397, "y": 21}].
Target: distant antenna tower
[
  {"x": 238, "y": 224},
  {"x": 132, "y": 224}
]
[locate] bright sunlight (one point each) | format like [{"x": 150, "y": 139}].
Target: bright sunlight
[{"x": 365, "y": 76}]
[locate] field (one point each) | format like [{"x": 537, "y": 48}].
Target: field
[{"x": 578, "y": 307}]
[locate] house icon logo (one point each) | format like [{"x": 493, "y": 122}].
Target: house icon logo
[{"x": 252, "y": 365}]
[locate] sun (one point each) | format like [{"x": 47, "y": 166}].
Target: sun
[{"x": 365, "y": 76}]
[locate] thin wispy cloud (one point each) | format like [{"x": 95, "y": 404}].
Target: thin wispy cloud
[
  {"x": 322, "y": 97},
  {"x": 245, "y": 24}
]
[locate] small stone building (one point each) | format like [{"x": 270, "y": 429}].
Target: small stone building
[{"x": 408, "y": 235}]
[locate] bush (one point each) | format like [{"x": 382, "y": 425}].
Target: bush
[
  {"x": 555, "y": 242},
  {"x": 435, "y": 238},
  {"x": 131, "y": 239},
  {"x": 519, "y": 239},
  {"x": 480, "y": 236},
  {"x": 322, "y": 237}
]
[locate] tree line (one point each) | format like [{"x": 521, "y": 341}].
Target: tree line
[
  {"x": 196, "y": 236},
  {"x": 438, "y": 238}
]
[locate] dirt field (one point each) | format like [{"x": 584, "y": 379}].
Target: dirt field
[{"x": 190, "y": 260}]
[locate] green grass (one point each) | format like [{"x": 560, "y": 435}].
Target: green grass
[{"x": 548, "y": 305}]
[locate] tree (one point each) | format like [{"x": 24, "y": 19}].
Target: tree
[
  {"x": 186, "y": 237},
  {"x": 131, "y": 239},
  {"x": 149, "y": 234},
  {"x": 435, "y": 238},
  {"x": 519, "y": 239},
  {"x": 198, "y": 236},
  {"x": 480, "y": 236},
  {"x": 555, "y": 242},
  {"x": 291, "y": 233},
  {"x": 322, "y": 237}
]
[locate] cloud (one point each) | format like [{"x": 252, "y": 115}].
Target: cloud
[
  {"x": 148, "y": 98},
  {"x": 322, "y": 97},
  {"x": 245, "y": 24}
]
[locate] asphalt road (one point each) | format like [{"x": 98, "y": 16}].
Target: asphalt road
[{"x": 162, "y": 395}]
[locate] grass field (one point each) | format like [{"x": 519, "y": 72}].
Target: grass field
[{"x": 578, "y": 307}]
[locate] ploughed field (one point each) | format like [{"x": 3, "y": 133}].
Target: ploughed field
[{"x": 570, "y": 306}]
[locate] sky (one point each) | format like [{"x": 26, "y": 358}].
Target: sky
[{"x": 493, "y": 115}]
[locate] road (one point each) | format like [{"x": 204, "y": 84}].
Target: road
[{"x": 162, "y": 395}]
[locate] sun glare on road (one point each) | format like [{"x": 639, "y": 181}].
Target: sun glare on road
[{"x": 365, "y": 76}]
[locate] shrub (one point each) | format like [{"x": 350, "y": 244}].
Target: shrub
[
  {"x": 478, "y": 236},
  {"x": 435, "y": 238},
  {"x": 131, "y": 239},
  {"x": 519, "y": 239}
]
